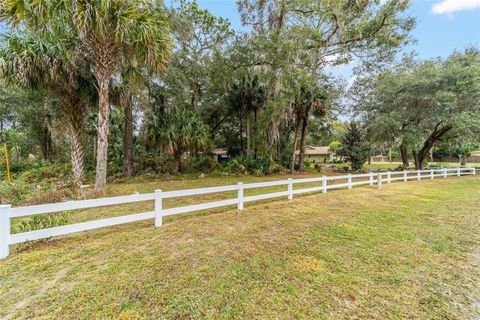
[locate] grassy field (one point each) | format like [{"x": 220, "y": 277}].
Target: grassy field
[{"x": 410, "y": 251}]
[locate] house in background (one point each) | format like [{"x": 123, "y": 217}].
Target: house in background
[
  {"x": 221, "y": 154},
  {"x": 317, "y": 154}
]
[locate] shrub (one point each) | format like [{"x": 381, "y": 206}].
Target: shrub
[
  {"x": 41, "y": 221},
  {"x": 307, "y": 164},
  {"x": 259, "y": 166},
  {"x": 158, "y": 164},
  {"x": 205, "y": 163},
  {"x": 275, "y": 168}
]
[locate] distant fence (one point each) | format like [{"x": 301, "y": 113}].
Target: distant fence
[
  {"x": 382, "y": 159},
  {"x": 327, "y": 183}
]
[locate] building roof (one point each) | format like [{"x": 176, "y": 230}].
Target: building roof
[
  {"x": 219, "y": 151},
  {"x": 316, "y": 150},
  {"x": 476, "y": 153}
]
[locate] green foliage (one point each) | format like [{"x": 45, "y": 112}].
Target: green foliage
[
  {"x": 307, "y": 164},
  {"x": 204, "y": 163},
  {"x": 259, "y": 167},
  {"x": 354, "y": 146},
  {"x": 418, "y": 103},
  {"x": 40, "y": 221}
]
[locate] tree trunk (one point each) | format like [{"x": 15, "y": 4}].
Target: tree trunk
[
  {"x": 102, "y": 137},
  {"x": 294, "y": 147},
  {"x": 77, "y": 156},
  {"x": 254, "y": 140},
  {"x": 194, "y": 100},
  {"x": 242, "y": 147},
  {"x": 248, "y": 131},
  {"x": 303, "y": 142},
  {"x": 127, "y": 136},
  {"x": 176, "y": 164},
  {"x": 434, "y": 136},
  {"x": 463, "y": 161},
  {"x": 418, "y": 160},
  {"x": 404, "y": 153}
]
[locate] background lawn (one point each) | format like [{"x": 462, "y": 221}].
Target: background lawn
[{"x": 411, "y": 250}]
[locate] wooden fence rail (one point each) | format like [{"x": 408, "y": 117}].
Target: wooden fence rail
[{"x": 327, "y": 183}]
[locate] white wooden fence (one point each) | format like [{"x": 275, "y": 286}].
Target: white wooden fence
[{"x": 327, "y": 183}]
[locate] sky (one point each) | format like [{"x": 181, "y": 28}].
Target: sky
[{"x": 442, "y": 26}]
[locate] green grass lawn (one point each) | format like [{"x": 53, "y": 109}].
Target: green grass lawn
[{"x": 409, "y": 251}]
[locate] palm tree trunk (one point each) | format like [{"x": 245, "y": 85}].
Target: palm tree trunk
[
  {"x": 127, "y": 136},
  {"x": 102, "y": 137},
  {"x": 303, "y": 142},
  {"x": 77, "y": 156},
  {"x": 177, "y": 159},
  {"x": 294, "y": 147}
]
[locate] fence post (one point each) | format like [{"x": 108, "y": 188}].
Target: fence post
[
  {"x": 371, "y": 178},
  {"x": 445, "y": 172},
  {"x": 405, "y": 176},
  {"x": 349, "y": 179},
  {"x": 290, "y": 189},
  {"x": 324, "y": 184},
  {"x": 473, "y": 171},
  {"x": 431, "y": 174},
  {"x": 158, "y": 208},
  {"x": 240, "y": 196},
  {"x": 389, "y": 177},
  {"x": 418, "y": 175},
  {"x": 4, "y": 229},
  {"x": 458, "y": 172},
  {"x": 379, "y": 181}
]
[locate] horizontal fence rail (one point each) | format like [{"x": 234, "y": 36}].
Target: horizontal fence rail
[{"x": 325, "y": 183}]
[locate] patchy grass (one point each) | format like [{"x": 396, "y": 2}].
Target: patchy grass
[{"x": 411, "y": 250}]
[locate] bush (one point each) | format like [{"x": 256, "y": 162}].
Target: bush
[
  {"x": 204, "y": 163},
  {"x": 41, "y": 221},
  {"x": 275, "y": 168},
  {"x": 236, "y": 167},
  {"x": 307, "y": 164},
  {"x": 158, "y": 164},
  {"x": 259, "y": 166}
]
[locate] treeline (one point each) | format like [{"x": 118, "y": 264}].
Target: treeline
[
  {"x": 134, "y": 83},
  {"x": 423, "y": 107}
]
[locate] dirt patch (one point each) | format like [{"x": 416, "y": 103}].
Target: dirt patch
[{"x": 47, "y": 285}]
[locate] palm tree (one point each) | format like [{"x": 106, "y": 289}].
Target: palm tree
[
  {"x": 307, "y": 98},
  {"x": 178, "y": 130},
  {"x": 124, "y": 90},
  {"x": 114, "y": 32},
  {"x": 111, "y": 34},
  {"x": 246, "y": 97},
  {"x": 38, "y": 61}
]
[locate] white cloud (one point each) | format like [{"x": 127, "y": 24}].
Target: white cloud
[
  {"x": 332, "y": 57},
  {"x": 451, "y": 6}
]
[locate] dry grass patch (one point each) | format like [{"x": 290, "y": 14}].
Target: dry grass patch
[{"x": 408, "y": 251}]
